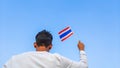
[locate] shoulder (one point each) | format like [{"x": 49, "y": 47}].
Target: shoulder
[
  {"x": 25, "y": 53},
  {"x": 58, "y": 56},
  {"x": 18, "y": 58},
  {"x": 22, "y": 55}
]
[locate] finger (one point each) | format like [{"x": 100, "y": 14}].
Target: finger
[{"x": 79, "y": 41}]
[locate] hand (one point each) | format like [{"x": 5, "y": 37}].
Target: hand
[{"x": 80, "y": 46}]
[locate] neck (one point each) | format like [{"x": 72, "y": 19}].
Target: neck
[{"x": 42, "y": 48}]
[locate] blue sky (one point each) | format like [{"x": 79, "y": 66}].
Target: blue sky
[{"x": 95, "y": 22}]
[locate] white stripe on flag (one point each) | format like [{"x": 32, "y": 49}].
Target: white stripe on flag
[{"x": 65, "y": 33}]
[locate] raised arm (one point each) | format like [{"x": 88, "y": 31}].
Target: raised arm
[{"x": 67, "y": 63}]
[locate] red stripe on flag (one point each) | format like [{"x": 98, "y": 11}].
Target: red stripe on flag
[
  {"x": 64, "y": 30},
  {"x": 67, "y": 37}
]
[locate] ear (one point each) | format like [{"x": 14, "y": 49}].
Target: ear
[
  {"x": 35, "y": 44},
  {"x": 50, "y": 46}
]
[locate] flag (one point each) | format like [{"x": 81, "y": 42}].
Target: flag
[{"x": 65, "y": 33}]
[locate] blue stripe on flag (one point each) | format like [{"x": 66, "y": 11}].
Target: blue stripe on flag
[{"x": 66, "y": 33}]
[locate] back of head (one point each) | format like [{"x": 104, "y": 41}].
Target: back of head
[{"x": 44, "y": 38}]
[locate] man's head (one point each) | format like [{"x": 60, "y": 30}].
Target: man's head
[{"x": 43, "y": 41}]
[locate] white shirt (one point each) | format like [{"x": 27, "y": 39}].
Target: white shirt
[{"x": 45, "y": 60}]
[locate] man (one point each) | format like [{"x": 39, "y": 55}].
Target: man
[{"x": 43, "y": 59}]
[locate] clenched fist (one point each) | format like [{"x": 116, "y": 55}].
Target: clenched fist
[{"x": 80, "y": 46}]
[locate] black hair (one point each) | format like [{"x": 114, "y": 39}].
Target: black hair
[{"x": 44, "y": 38}]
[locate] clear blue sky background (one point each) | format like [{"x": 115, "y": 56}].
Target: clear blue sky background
[{"x": 95, "y": 22}]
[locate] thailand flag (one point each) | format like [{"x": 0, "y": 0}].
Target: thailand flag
[{"x": 65, "y": 33}]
